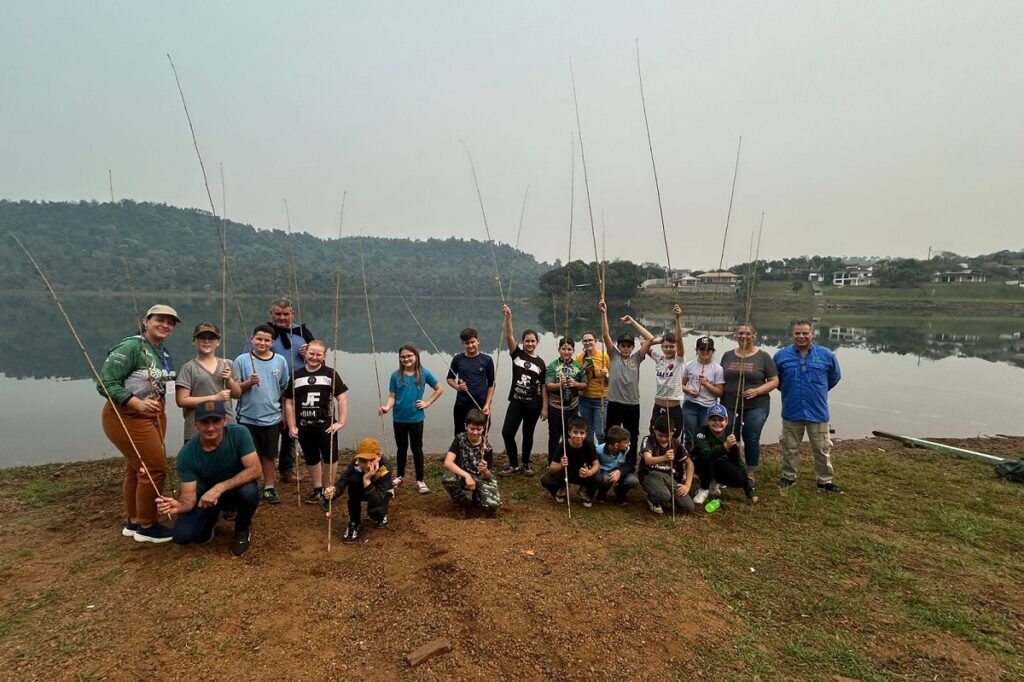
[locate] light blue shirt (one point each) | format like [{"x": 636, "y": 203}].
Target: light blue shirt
[{"x": 261, "y": 404}]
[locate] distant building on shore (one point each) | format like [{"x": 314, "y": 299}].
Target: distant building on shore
[
  {"x": 958, "y": 277},
  {"x": 854, "y": 276}
]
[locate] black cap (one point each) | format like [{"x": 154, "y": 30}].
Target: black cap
[
  {"x": 705, "y": 343},
  {"x": 626, "y": 338}
]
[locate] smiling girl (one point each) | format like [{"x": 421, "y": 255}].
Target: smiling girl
[{"x": 405, "y": 394}]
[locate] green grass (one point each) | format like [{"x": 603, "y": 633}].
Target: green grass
[
  {"x": 40, "y": 493},
  {"x": 987, "y": 292}
]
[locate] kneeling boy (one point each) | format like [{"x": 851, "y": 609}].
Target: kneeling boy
[
  {"x": 579, "y": 459},
  {"x": 667, "y": 471},
  {"x": 618, "y": 464},
  {"x": 368, "y": 480},
  {"x": 468, "y": 477}
]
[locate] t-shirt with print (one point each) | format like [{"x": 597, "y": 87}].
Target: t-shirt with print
[
  {"x": 207, "y": 469},
  {"x": 692, "y": 373},
  {"x": 568, "y": 398},
  {"x": 624, "y": 378},
  {"x": 668, "y": 372},
  {"x": 312, "y": 392},
  {"x": 469, "y": 456},
  {"x": 650, "y": 444},
  {"x": 261, "y": 404},
  {"x": 757, "y": 370},
  {"x": 527, "y": 379},
  {"x": 200, "y": 382}
]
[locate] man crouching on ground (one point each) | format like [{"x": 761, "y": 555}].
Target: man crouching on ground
[
  {"x": 218, "y": 469},
  {"x": 368, "y": 480},
  {"x": 468, "y": 476}
]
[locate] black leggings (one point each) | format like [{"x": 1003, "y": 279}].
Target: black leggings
[
  {"x": 318, "y": 445},
  {"x": 626, "y": 416},
  {"x": 407, "y": 434},
  {"x": 722, "y": 470},
  {"x": 517, "y": 414}
]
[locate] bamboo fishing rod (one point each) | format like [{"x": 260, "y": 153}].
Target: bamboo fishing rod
[
  {"x": 373, "y": 345},
  {"x": 512, "y": 273},
  {"x": 487, "y": 229},
  {"x": 124, "y": 257},
  {"x": 568, "y": 258},
  {"x": 337, "y": 308},
  {"x": 725, "y": 233},
  {"x": 224, "y": 276},
  {"x": 296, "y": 448},
  {"x": 561, "y": 410},
  {"x": 751, "y": 278},
  {"x": 92, "y": 367},
  {"x": 222, "y": 233}
]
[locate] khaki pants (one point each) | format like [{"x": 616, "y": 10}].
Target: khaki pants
[
  {"x": 147, "y": 432},
  {"x": 821, "y": 446}
]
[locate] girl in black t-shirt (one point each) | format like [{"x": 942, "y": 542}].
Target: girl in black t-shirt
[{"x": 527, "y": 399}]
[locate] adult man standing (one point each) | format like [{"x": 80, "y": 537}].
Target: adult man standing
[
  {"x": 218, "y": 472},
  {"x": 290, "y": 341},
  {"x": 807, "y": 372}
]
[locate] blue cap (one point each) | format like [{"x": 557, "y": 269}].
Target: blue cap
[
  {"x": 210, "y": 409},
  {"x": 717, "y": 410}
]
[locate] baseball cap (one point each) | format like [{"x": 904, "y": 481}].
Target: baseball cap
[
  {"x": 208, "y": 409},
  {"x": 206, "y": 328},
  {"x": 705, "y": 343},
  {"x": 368, "y": 448},
  {"x": 627, "y": 338},
  {"x": 718, "y": 410},
  {"x": 161, "y": 309}
]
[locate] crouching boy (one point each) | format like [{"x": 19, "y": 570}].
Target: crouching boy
[
  {"x": 468, "y": 476},
  {"x": 367, "y": 479},
  {"x": 718, "y": 457},
  {"x": 667, "y": 471},
  {"x": 579, "y": 458},
  {"x": 618, "y": 464}
]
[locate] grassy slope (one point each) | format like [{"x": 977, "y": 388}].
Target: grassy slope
[{"x": 913, "y": 575}]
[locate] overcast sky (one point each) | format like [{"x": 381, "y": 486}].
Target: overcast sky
[{"x": 869, "y": 128}]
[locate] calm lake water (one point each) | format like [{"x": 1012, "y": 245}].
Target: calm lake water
[{"x": 915, "y": 376}]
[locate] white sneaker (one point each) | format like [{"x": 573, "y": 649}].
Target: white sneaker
[
  {"x": 421, "y": 486},
  {"x": 701, "y": 497},
  {"x": 656, "y": 508},
  {"x": 397, "y": 481},
  {"x": 715, "y": 490}
]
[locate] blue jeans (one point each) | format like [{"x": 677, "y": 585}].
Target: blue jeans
[
  {"x": 590, "y": 409},
  {"x": 695, "y": 418},
  {"x": 196, "y": 525},
  {"x": 753, "y": 423}
]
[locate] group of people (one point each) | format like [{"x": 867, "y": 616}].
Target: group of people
[{"x": 243, "y": 419}]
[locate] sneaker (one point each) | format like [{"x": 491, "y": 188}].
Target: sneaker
[
  {"x": 461, "y": 511},
  {"x": 830, "y": 488},
  {"x": 397, "y": 481},
  {"x": 351, "y": 533},
  {"x": 527, "y": 471},
  {"x": 491, "y": 512},
  {"x": 421, "y": 488},
  {"x": 715, "y": 490},
  {"x": 239, "y": 546},
  {"x": 702, "y": 496},
  {"x": 288, "y": 477},
  {"x": 785, "y": 482},
  {"x": 751, "y": 491},
  {"x": 129, "y": 529},
  {"x": 209, "y": 538},
  {"x": 325, "y": 504},
  {"x": 230, "y": 514},
  {"x": 383, "y": 523},
  {"x": 656, "y": 508},
  {"x": 156, "y": 533},
  {"x": 510, "y": 471},
  {"x": 315, "y": 496},
  {"x": 587, "y": 501},
  {"x": 560, "y": 496},
  {"x": 270, "y": 496}
]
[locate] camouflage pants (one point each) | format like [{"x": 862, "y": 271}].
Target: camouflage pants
[{"x": 486, "y": 493}]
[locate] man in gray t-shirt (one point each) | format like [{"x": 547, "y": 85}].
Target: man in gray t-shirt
[{"x": 624, "y": 376}]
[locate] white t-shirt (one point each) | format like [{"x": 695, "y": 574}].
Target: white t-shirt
[
  {"x": 692, "y": 373},
  {"x": 668, "y": 372}
]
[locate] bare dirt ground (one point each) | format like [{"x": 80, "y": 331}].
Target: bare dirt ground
[{"x": 614, "y": 594}]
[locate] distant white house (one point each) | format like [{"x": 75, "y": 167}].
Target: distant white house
[
  {"x": 719, "y": 277},
  {"x": 815, "y": 277},
  {"x": 856, "y": 276},
  {"x": 958, "y": 277}
]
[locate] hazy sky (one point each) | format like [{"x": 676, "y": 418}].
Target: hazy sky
[{"x": 869, "y": 128}]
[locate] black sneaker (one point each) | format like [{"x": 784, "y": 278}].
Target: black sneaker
[
  {"x": 270, "y": 496},
  {"x": 351, "y": 533},
  {"x": 315, "y": 496},
  {"x": 491, "y": 512},
  {"x": 460, "y": 511},
  {"x": 130, "y": 528},
  {"x": 209, "y": 538},
  {"x": 157, "y": 533},
  {"x": 230, "y": 514},
  {"x": 241, "y": 542},
  {"x": 785, "y": 482},
  {"x": 383, "y": 523},
  {"x": 830, "y": 488}
]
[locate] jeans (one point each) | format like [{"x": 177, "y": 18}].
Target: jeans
[
  {"x": 695, "y": 418},
  {"x": 753, "y": 422},
  {"x": 517, "y": 414},
  {"x": 590, "y": 409},
  {"x": 196, "y": 525}
]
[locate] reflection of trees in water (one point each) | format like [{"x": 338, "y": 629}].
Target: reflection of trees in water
[{"x": 36, "y": 343}]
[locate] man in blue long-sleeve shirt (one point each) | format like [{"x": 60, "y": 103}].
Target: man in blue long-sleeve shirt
[{"x": 807, "y": 372}]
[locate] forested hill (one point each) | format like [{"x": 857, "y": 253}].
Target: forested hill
[{"x": 82, "y": 246}]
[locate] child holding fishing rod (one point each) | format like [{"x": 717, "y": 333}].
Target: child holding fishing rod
[
  {"x": 308, "y": 402},
  {"x": 406, "y": 389},
  {"x": 624, "y": 376},
  {"x": 206, "y": 377},
  {"x": 527, "y": 399},
  {"x": 469, "y": 469}
]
